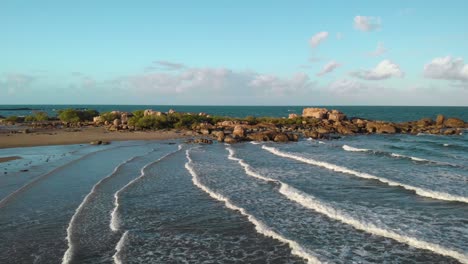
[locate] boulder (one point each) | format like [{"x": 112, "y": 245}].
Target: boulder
[
  {"x": 116, "y": 122},
  {"x": 344, "y": 130},
  {"x": 322, "y": 130},
  {"x": 171, "y": 111},
  {"x": 225, "y": 123},
  {"x": 293, "y": 137},
  {"x": 281, "y": 137},
  {"x": 97, "y": 119},
  {"x": 238, "y": 132},
  {"x": 319, "y": 113},
  {"x": 124, "y": 118},
  {"x": 292, "y": 116},
  {"x": 425, "y": 122},
  {"x": 336, "y": 116},
  {"x": 259, "y": 136},
  {"x": 230, "y": 140},
  {"x": 454, "y": 123},
  {"x": 386, "y": 129},
  {"x": 440, "y": 120},
  {"x": 450, "y": 131},
  {"x": 203, "y": 141},
  {"x": 380, "y": 128},
  {"x": 98, "y": 142},
  {"x": 219, "y": 135},
  {"x": 204, "y": 131}
]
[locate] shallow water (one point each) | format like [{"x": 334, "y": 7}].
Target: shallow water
[{"x": 362, "y": 199}]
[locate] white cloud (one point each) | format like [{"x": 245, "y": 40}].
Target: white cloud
[
  {"x": 339, "y": 36},
  {"x": 380, "y": 50},
  {"x": 346, "y": 87},
  {"x": 215, "y": 82},
  {"x": 273, "y": 85},
  {"x": 318, "y": 38},
  {"x": 447, "y": 68},
  {"x": 329, "y": 67},
  {"x": 384, "y": 70},
  {"x": 16, "y": 82},
  {"x": 166, "y": 65},
  {"x": 367, "y": 23}
]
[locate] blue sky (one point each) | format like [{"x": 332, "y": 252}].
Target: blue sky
[{"x": 234, "y": 52}]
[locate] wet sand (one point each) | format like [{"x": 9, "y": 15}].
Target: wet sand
[
  {"x": 84, "y": 135},
  {"x": 6, "y": 159}
]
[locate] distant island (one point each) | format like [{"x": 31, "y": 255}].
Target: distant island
[{"x": 315, "y": 123}]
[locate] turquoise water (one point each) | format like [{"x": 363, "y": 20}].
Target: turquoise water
[
  {"x": 360, "y": 199},
  {"x": 387, "y": 113}
]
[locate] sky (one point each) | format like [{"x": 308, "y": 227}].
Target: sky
[{"x": 234, "y": 52}]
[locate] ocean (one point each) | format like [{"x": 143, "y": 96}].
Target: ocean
[
  {"x": 387, "y": 113},
  {"x": 358, "y": 199}
]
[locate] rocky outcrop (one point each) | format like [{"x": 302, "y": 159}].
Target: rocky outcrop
[
  {"x": 150, "y": 112},
  {"x": 440, "y": 120},
  {"x": 380, "y": 128},
  {"x": 319, "y": 113},
  {"x": 292, "y": 116},
  {"x": 281, "y": 137},
  {"x": 336, "y": 116},
  {"x": 454, "y": 123},
  {"x": 230, "y": 140},
  {"x": 425, "y": 122},
  {"x": 238, "y": 132}
]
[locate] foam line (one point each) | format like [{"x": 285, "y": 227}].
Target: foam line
[
  {"x": 419, "y": 191},
  {"x": 349, "y": 148},
  {"x": 68, "y": 256},
  {"x": 260, "y": 227},
  {"x": 310, "y": 202},
  {"x": 114, "y": 223},
  {"x": 119, "y": 247}
]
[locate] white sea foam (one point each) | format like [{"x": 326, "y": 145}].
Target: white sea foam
[
  {"x": 353, "y": 149},
  {"x": 261, "y": 228},
  {"x": 419, "y": 191},
  {"x": 310, "y": 202},
  {"x": 411, "y": 158},
  {"x": 118, "y": 248},
  {"x": 446, "y": 145},
  {"x": 349, "y": 148},
  {"x": 68, "y": 256},
  {"x": 255, "y": 142},
  {"x": 114, "y": 223}
]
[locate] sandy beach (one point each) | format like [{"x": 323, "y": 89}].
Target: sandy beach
[{"x": 84, "y": 135}]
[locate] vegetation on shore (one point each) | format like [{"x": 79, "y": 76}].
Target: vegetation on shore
[{"x": 314, "y": 123}]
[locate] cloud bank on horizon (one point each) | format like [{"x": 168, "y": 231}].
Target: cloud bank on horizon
[{"x": 161, "y": 53}]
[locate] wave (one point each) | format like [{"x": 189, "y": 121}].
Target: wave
[
  {"x": 119, "y": 247},
  {"x": 314, "y": 140},
  {"x": 400, "y": 156},
  {"x": 28, "y": 185},
  {"x": 349, "y": 148},
  {"x": 68, "y": 256},
  {"x": 114, "y": 223},
  {"x": 419, "y": 191},
  {"x": 260, "y": 227},
  {"x": 310, "y": 202}
]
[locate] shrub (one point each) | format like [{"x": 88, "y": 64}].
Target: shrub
[
  {"x": 73, "y": 115},
  {"x": 110, "y": 117},
  {"x": 13, "y": 119}
]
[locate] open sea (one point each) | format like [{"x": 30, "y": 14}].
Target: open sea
[
  {"x": 358, "y": 199},
  {"x": 387, "y": 113}
]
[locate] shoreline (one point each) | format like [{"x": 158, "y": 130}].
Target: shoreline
[
  {"x": 7, "y": 159},
  {"x": 83, "y": 136}
]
